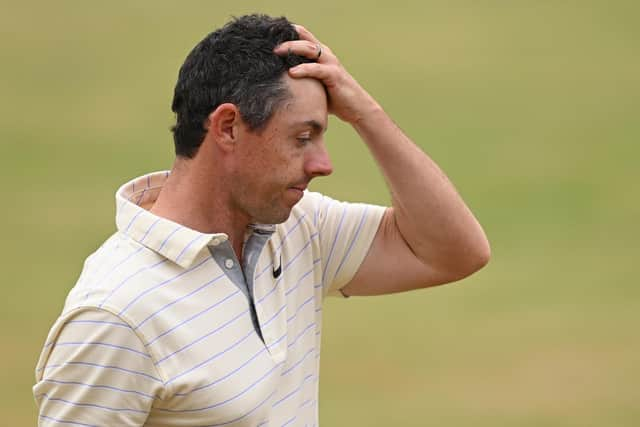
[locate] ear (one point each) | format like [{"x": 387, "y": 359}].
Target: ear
[{"x": 222, "y": 126}]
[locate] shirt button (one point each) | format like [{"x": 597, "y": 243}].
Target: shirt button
[
  {"x": 215, "y": 241},
  {"x": 228, "y": 263}
]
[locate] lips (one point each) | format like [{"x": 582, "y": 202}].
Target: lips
[
  {"x": 297, "y": 191},
  {"x": 300, "y": 187}
]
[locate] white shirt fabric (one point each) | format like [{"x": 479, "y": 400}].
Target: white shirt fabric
[{"x": 156, "y": 332}]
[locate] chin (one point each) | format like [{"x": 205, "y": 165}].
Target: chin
[
  {"x": 281, "y": 218},
  {"x": 273, "y": 217}
]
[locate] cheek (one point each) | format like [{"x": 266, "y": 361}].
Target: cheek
[
  {"x": 273, "y": 162},
  {"x": 277, "y": 161}
]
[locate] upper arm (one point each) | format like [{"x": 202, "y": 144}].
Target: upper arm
[
  {"x": 95, "y": 371},
  {"x": 391, "y": 266}
]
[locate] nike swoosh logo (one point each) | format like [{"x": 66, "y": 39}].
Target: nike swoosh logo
[{"x": 276, "y": 272}]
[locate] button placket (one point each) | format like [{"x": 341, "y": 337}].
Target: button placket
[
  {"x": 273, "y": 333},
  {"x": 225, "y": 257}
]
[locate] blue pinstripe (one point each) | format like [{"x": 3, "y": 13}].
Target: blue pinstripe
[
  {"x": 333, "y": 245},
  {"x": 103, "y": 278},
  {"x": 215, "y": 405},
  {"x": 105, "y": 344},
  {"x": 189, "y": 319},
  {"x": 243, "y": 416},
  {"x": 263, "y": 350},
  {"x": 215, "y": 356},
  {"x": 101, "y": 386},
  {"x": 353, "y": 240},
  {"x": 164, "y": 307},
  {"x": 89, "y": 405},
  {"x": 148, "y": 267},
  {"x": 97, "y": 365},
  {"x": 208, "y": 334},
  {"x": 66, "y": 421},
  {"x": 164, "y": 282},
  {"x": 294, "y": 391}
]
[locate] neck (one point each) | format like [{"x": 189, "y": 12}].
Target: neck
[{"x": 200, "y": 201}]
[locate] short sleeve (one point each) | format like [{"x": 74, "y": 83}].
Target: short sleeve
[
  {"x": 346, "y": 231},
  {"x": 94, "y": 371}
]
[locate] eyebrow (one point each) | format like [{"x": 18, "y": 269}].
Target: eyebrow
[{"x": 316, "y": 125}]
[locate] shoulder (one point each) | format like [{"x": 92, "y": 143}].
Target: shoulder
[
  {"x": 305, "y": 215},
  {"x": 308, "y": 206},
  {"x": 327, "y": 214},
  {"x": 313, "y": 209},
  {"x": 113, "y": 275}
]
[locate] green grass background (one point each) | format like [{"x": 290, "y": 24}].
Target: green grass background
[{"x": 531, "y": 107}]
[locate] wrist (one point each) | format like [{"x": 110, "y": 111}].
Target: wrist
[{"x": 367, "y": 115}]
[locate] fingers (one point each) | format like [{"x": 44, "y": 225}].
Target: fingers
[
  {"x": 324, "y": 73},
  {"x": 326, "y": 67},
  {"x": 306, "y": 48},
  {"x": 305, "y": 34}
]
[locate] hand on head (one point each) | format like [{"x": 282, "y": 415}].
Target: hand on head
[{"x": 347, "y": 99}]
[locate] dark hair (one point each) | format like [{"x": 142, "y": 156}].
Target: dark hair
[{"x": 234, "y": 64}]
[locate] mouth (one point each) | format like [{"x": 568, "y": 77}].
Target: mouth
[
  {"x": 299, "y": 187},
  {"x": 297, "y": 192}
]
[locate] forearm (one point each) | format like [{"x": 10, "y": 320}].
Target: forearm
[{"x": 429, "y": 213}]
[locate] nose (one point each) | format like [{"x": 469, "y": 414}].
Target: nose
[{"x": 317, "y": 161}]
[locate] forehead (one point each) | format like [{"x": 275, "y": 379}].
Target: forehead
[{"x": 307, "y": 102}]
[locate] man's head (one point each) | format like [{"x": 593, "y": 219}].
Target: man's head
[{"x": 236, "y": 65}]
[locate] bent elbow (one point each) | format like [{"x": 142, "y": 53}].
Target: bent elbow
[
  {"x": 482, "y": 255},
  {"x": 476, "y": 258},
  {"x": 473, "y": 258}
]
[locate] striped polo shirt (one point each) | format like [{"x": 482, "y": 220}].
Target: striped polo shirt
[{"x": 165, "y": 327}]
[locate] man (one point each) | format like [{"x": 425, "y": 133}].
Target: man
[{"x": 205, "y": 307}]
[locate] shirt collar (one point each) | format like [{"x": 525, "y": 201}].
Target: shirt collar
[{"x": 176, "y": 242}]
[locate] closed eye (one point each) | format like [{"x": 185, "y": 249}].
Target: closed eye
[{"x": 304, "y": 138}]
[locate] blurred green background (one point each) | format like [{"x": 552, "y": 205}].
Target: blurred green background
[{"x": 531, "y": 107}]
